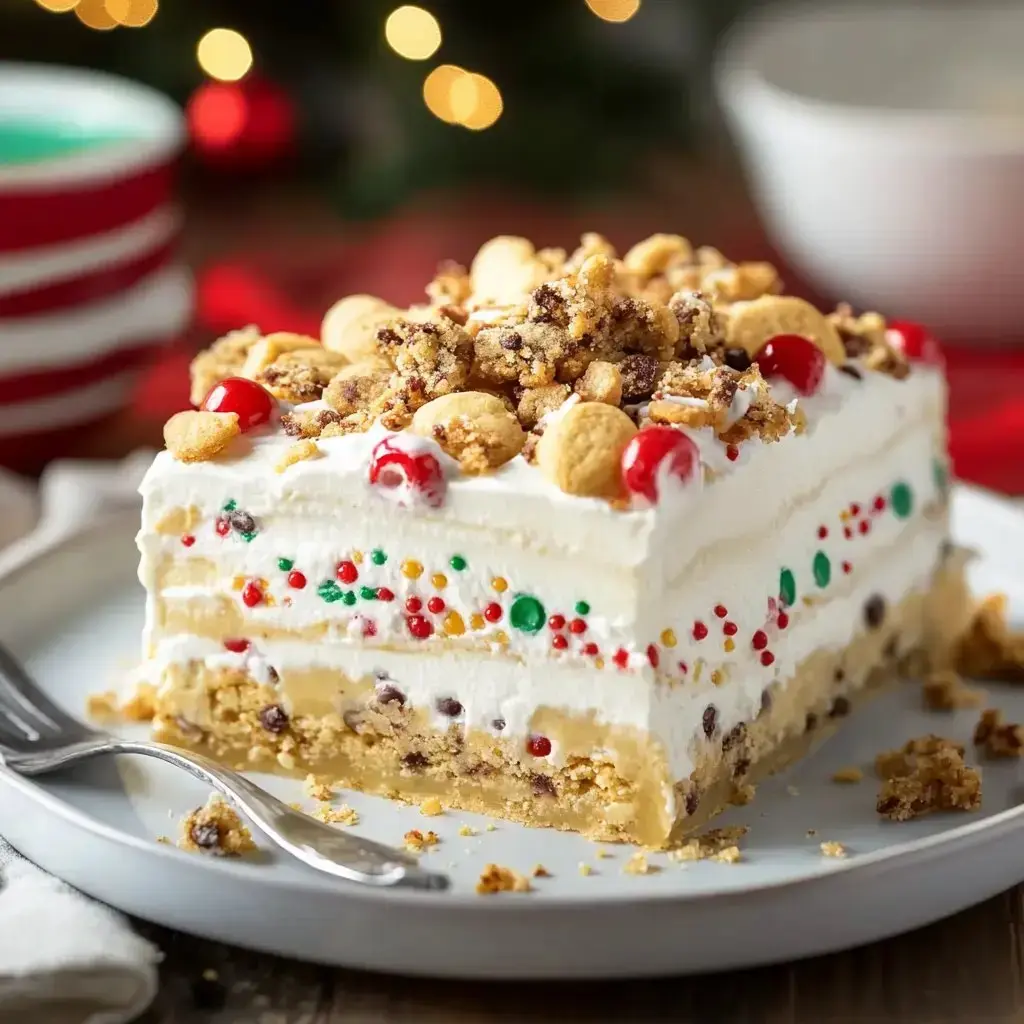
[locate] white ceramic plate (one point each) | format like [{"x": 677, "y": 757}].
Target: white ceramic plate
[{"x": 74, "y": 614}]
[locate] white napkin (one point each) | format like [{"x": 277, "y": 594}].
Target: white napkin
[{"x": 64, "y": 958}]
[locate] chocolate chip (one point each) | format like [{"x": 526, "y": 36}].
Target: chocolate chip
[
  {"x": 205, "y": 836},
  {"x": 479, "y": 768},
  {"x": 388, "y": 694},
  {"x": 498, "y": 724},
  {"x": 511, "y": 341},
  {"x": 542, "y": 785},
  {"x": 839, "y": 675},
  {"x": 242, "y": 522},
  {"x": 851, "y": 371},
  {"x": 639, "y": 375},
  {"x": 272, "y": 674},
  {"x": 274, "y": 718},
  {"x": 840, "y": 708},
  {"x": 710, "y": 718},
  {"x": 741, "y": 767},
  {"x": 737, "y": 358},
  {"x": 291, "y": 424},
  {"x": 389, "y": 336},
  {"x": 449, "y": 706},
  {"x": 688, "y": 354},
  {"x": 692, "y": 801},
  {"x": 874, "y": 611},
  {"x": 415, "y": 760},
  {"x": 810, "y": 722},
  {"x": 733, "y": 736}
]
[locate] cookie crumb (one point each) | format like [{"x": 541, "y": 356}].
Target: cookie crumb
[
  {"x": 927, "y": 774},
  {"x": 102, "y": 707},
  {"x": 998, "y": 738},
  {"x": 833, "y": 849},
  {"x": 495, "y": 878},
  {"x": 215, "y": 828},
  {"x": 166, "y": 840},
  {"x": 539, "y": 871},
  {"x": 792, "y": 791},
  {"x": 467, "y": 830},
  {"x": 431, "y": 807},
  {"x": 989, "y": 649},
  {"x": 317, "y": 788},
  {"x": 742, "y": 795},
  {"x": 298, "y": 452},
  {"x": 812, "y": 832},
  {"x": 585, "y": 869},
  {"x": 490, "y": 827},
  {"x": 709, "y": 845},
  {"x": 850, "y": 774},
  {"x": 602, "y": 854},
  {"x": 730, "y": 855},
  {"x": 343, "y": 815},
  {"x": 946, "y": 691},
  {"x": 141, "y": 705},
  {"x": 416, "y": 841},
  {"x": 639, "y": 865}
]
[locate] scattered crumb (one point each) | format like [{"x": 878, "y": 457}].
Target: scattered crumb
[
  {"x": 317, "y": 788},
  {"x": 215, "y": 828},
  {"x": 712, "y": 845},
  {"x": 490, "y": 827},
  {"x": 141, "y": 705},
  {"x": 849, "y": 774},
  {"x": 495, "y": 878},
  {"x": 602, "y": 854},
  {"x": 165, "y": 839},
  {"x": 927, "y": 774},
  {"x": 946, "y": 691},
  {"x": 990, "y": 649},
  {"x": 585, "y": 869},
  {"x": 998, "y": 737},
  {"x": 792, "y": 791},
  {"x": 298, "y": 452},
  {"x": 102, "y": 707},
  {"x": 467, "y": 830},
  {"x": 742, "y": 795},
  {"x": 343, "y": 815},
  {"x": 812, "y": 831},
  {"x": 210, "y": 974},
  {"x": 296, "y": 806},
  {"x": 639, "y": 865},
  {"x": 539, "y": 871},
  {"x": 730, "y": 855},
  {"x": 286, "y": 760},
  {"x": 417, "y": 842},
  {"x": 431, "y": 807},
  {"x": 833, "y": 849}
]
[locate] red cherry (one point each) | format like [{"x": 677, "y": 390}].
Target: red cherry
[
  {"x": 915, "y": 341},
  {"x": 252, "y": 594},
  {"x": 296, "y": 579},
  {"x": 419, "y": 627},
  {"x": 653, "y": 448},
  {"x": 237, "y": 646},
  {"x": 252, "y": 403},
  {"x": 347, "y": 572},
  {"x": 492, "y": 613},
  {"x": 538, "y": 746},
  {"x": 393, "y": 468},
  {"x": 794, "y": 358}
]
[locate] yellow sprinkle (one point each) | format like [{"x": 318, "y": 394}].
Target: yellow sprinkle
[
  {"x": 476, "y": 621},
  {"x": 845, "y": 516},
  {"x": 716, "y": 677},
  {"x": 729, "y": 645},
  {"x": 237, "y": 582},
  {"x": 501, "y": 637},
  {"x": 453, "y": 624},
  {"x": 668, "y": 638},
  {"x": 412, "y": 570},
  {"x": 599, "y": 663},
  {"x": 439, "y": 580},
  {"x": 697, "y": 669},
  {"x": 357, "y": 557},
  {"x": 268, "y": 600},
  {"x": 500, "y": 584}
]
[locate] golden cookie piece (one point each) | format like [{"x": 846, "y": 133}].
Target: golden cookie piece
[
  {"x": 198, "y": 436},
  {"x": 267, "y": 349},
  {"x": 751, "y": 324},
  {"x": 350, "y": 326},
  {"x": 656, "y": 254},
  {"x": 601, "y": 382},
  {"x": 506, "y": 268},
  {"x": 357, "y": 386},
  {"x": 536, "y": 403},
  {"x": 472, "y": 427},
  {"x": 581, "y": 451}
]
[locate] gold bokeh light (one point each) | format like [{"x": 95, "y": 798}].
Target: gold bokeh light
[
  {"x": 94, "y": 14},
  {"x": 224, "y": 54},
  {"x": 614, "y": 10},
  {"x": 462, "y": 97},
  {"x": 437, "y": 90},
  {"x": 57, "y": 6},
  {"x": 487, "y": 104},
  {"x": 132, "y": 13},
  {"x": 412, "y": 32}
]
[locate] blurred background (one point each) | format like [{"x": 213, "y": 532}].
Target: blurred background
[{"x": 341, "y": 146}]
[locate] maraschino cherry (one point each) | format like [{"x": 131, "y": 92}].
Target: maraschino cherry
[
  {"x": 915, "y": 341},
  {"x": 794, "y": 358},
  {"x": 253, "y": 404},
  {"x": 654, "y": 451},
  {"x": 407, "y": 475}
]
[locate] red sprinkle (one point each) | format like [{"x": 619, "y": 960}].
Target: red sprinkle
[
  {"x": 590, "y": 649},
  {"x": 767, "y": 658},
  {"x": 538, "y": 746},
  {"x": 759, "y": 641},
  {"x": 847, "y": 532},
  {"x": 252, "y": 595},
  {"x": 783, "y": 620},
  {"x": 854, "y": 509},
  {"x": 721, "y": 611},
  {"x": 557, "y": 621},
  {"x": 296, "y": 579},
  {"x": 188, "y": 540},
  {"x": 559, "y": 642},
  {"x": 621, "y": 658},
  {"x": 699, "y": 631},
  {"x": 732, "y": 453},
  {"x": 879, "y": 503},
  {"x": 419, "y": 627},
  {"x": 492, "y": 613},
  {"x": 577, "y": 626},
  {"x": 822, "y": 532},
  {"x": 865, "y": 525},
  {"x": 653, "y": 656},
  {"x": 222, "y": 526},
  {"x": 237, "y": 646},
  {"x": 730, "y": 629},
  {"x": 369, "y": 627},
  {"x": 413, "y": 605},
  {"x": 847, "y": 568},
  {"x": 683, "y": 667},
  {"x": 347, "y": 572},
  {"x": 435, "y": 605},
  {"x": 383, "y": 594}
]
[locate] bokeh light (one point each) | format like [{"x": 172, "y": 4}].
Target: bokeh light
[
  {"x": 614, "y": 10},
  {"x": 94, "y": 14},
  {"x": 462, "y": 97},
  {"x": 217, "y": 114},
  {"x": 224, "y": 54},
  {"x": 57, "y": 6},
  {"x": 437, "y": 90},
  {"x": 487, "y": 103},
  {"x": 132, "y": 13},
  {"x": 412, "y": 32}
]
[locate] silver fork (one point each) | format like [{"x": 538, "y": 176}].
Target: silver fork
[{"x": 37, "y": 737}]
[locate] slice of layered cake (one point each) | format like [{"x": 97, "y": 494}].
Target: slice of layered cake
[{"x": 584, "y": 542}]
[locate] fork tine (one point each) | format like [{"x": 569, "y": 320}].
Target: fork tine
[{"x": 26, "y": 704}]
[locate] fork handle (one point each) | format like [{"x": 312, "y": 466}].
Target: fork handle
[{"x": 323, "y": 848}]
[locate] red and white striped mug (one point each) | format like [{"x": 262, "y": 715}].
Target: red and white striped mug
[{"x": 89, "y": 282}]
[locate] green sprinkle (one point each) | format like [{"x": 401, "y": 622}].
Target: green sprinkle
[
  {"x": 349, "y": 597},
  {"x": 458, "y": 563},
  {"x": 902, "y": 500},
  {"x": 787, "y": 586},
  {"x": 231, "y": 506},
  {"x": 378, "y": 557},
  {"x": 822, "y": 569},
  {"x": 248, "y": 535},
  {"x": 527, "y": 614},
  {"x": 368, "y": 593},
  {"x": 329, "y": 591},
  {"x": 940, "y": 474},
  {"x": 285, "y": 564},
  {"x": 582, "y": 608}
]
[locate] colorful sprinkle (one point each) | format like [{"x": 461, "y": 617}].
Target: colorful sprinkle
[
  {"x": 296, "y": 580},
  {"x": 500, "y": 584},
  {"x": 412, "y": 570},
  {"x": 492, "y": 613},
  {"x": 248, "y": 535},
  {"x": 538, "y": 746},
  {"x": 348, "y": 597},
  {"x": 822, "y": 569},
  {"x": 721, "y": 611},
  {"x": 864, "y": 526},
  {"x": 222, "y": 526},
  {"x": 385, "y": 594},
  {"x": 767, "y": 658},
  {"x": 854, "y": 509},
  {"x": 453, "y": 624},
  {"x": 378, "y": 557},
  {"x": 590, "y": 649},
  {"x": 369, "y": 628},
  {"x": 653, "y": 655},
  {"x": 556, "y": 622},
  {"x": 357, "y": 557},
  {"x": 559, "y": 642},
  {"x": 728, "y": 645},
  {"x": 683, "y": 668},
  {"x": 435, "y": 605},
  {"x": 476, "y": 621},
  {"x": 847, "y": 532},
  {"x": 787, "y": 586},
  {"x": 668, "y": 638},
  {"x": 188, "y": 540},
  {"x": 527, "y": 613},
  {"x": 940, "y": 475},
  {"x": 329, "y": 591},
  {"x": 700, "y": 631},
  {"x": 230, "y": 506},
  {"x": 347, "y": 572},
  {"x": 783, "y": 620},
  {"x": 847, "y": 568},
  {"x": 285, "y": 564},
  {"x": 500, "y": 637},
  {"x": 902, "y": 499},
  {"x": 419, "y": 627},
  {"x": 457, "y": 562},
  {"x": 439, "y": 580},
  {"x": 621, "y": 658},
  {"x": 582, "y": 608},
  {"x": 577, "y": 626},
  {"x": 879, "y": 503},
  {"x": 759, "y": 641},
  {"x": 252, "y": 594},
  {"x": 732, "y": 453},
  {"x": 413, "y": 605},
  {"x": 237, "y": 646},
  {"x": 717, "y": 677},
  {"x": 822, "y": 532},
  {"x": 730, "y": 629},
  {"x": 368, "y": 593}
]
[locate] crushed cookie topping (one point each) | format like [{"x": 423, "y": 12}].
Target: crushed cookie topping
[{"x": 927, "y": 774}]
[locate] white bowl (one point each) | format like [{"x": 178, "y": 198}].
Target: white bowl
[{"x": 885, "y": 147}]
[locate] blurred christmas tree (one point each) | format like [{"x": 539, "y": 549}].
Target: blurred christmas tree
[{"x": 381, "y": 100}]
